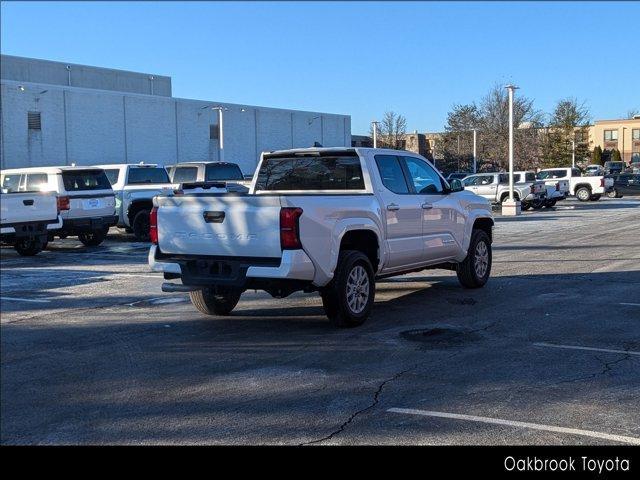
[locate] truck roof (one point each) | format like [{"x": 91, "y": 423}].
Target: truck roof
[{"x": 60, "y": 169}]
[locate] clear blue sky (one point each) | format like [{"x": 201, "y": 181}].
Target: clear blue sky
[{"x": 358, "y": 58}]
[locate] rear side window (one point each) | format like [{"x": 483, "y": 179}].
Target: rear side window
[
  {"x": 11, "y": 182},
  {"x": 391, "y": 173},
  {"x": 228, "y": 171},
  {"x": 185, "y": 174},
  {"x": 80, "y": 180},
  {"x": 112, "y": 175},
  {"x": 140, "y": 175},
  {"x": 310, "y": 173},
  {"x": 36, "y": 182}
]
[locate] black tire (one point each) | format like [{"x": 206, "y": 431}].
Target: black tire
[
  {"x": 468, "y": 275},
  {"x": 594, "y": 198},
  {"x": 28, "y": 247},
  {"x": 140, "y": 225},
  {"x": 583, "y": 194},
  {"x": 525, "y": 206},
  {"x": 93, "y": 239},
  {"x": 352, "y": 264},
  {"x": 550, "y": 203},
  {"x": 210, "y": 302},
  {"x": 613, "y": 194},
  {"x": 537, "y": 204}
]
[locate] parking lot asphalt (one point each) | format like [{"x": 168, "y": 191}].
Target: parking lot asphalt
[{"x": 547, "y": 353}]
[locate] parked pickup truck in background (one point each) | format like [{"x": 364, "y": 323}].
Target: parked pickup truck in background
[
  {"x": 495, "y": 188},
  {"x": 331, "y": 220},
  {"x": 27, "y": 219},
  {"x": 134, "y": 187},
  {"x": 556, "y": 190},
  {"x": 584, "y": 188},
  {"x": 85, "y": 198},
  {"x": 220, "y": 172}
]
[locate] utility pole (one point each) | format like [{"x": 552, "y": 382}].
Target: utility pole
[
  {"x": 511, "y": 207},
  {"x": 374, "y": 126}
]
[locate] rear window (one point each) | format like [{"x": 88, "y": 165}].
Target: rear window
[
  {"x": 310, "y": 173},
  {"x": 79, "y": 180},
  {"x": 185, "y": 174},
  {"x": 227, "y": 171},
  {"x": 140, "y": 175}
]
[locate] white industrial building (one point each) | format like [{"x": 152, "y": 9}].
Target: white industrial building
[{"x": 56, "y": 113}]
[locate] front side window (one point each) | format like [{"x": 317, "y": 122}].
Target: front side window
[
  {"x": 470, "y": 181},
  {"x": 610, "y": 135},
  {"x": 36, "y": 182},
  {"x": 11, "y": 182},
  {"x": 307, "y": 172},
  {"x": 80, "y": 180},
  {"x": 185, "y": 174},
  {"x": 112, "y": 175},
  {"x": 485, "y": 180},
  {"x": 424, "y": 178},
  {"x": 391, "y": 173},
  {"x": 575, "y": 172},
  {"x": 141, "y": 175}
]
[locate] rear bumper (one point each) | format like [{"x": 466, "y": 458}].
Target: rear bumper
[
  {"x": 29, "y": 229},
  {"x": 73, "y": 226},
  {"x": 195, "y": 270}
]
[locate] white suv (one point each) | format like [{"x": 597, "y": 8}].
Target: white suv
[{"x": 85, "y": 198}]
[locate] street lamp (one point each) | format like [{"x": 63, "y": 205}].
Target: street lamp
[
  {"x": 374, "y": 126},
  {"x": 623, "y": 129},
  {"x": 474, "y": 152},
  {"x": 511, "y": 207},
  {"x": 220, "y": 109}
]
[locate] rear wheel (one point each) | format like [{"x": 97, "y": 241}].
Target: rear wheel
[
  {"x": 550, "y": 203},
  {"x": 613, "y": 194},
  {"x": 525, "y": 206},
  {"x": 212, "y": 302},
  {"x": 348, "y": 299},
  {"x": 474, "y": 271},
  {"x": 141, "y": 225},
  {"x": 537, "y": 204},
  {"x": 28, "y": 247},
  {"x": 583, "y": 194},
  {"x": 594, "y": 198},
  {"x": 94, "y": 238}
]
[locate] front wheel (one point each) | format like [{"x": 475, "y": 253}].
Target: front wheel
[
  {"x": 349, "y": 298},
  {"x": 583, "y": 194},
  {"x": 550, "y": 203},
  {"x": 474, "y": 271},
  {"x": 212, "y": 302},
  {"x": 28, "y": 247},
  {"x": 94, "y": 238},
  {"x": 595, "y": 198},
  {"x": 537, "y": 204}
]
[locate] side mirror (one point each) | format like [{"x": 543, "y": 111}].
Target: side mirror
[{"x": 456, "y": 185}]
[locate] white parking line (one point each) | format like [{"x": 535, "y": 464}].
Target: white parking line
[
  {"x": 511, "y": 423},
  {"x": 30, "y": 300},
  {"x": 631, "y": 304},
  {"x": 592, "y": 349}
]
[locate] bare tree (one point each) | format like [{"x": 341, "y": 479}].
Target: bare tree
[
  {"x": 392, "y": 130},
  {"x": 632, "y": 113}
]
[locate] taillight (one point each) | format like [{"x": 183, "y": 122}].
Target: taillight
[
  {"x": 63, "y": 203},
  {"x": 558, "y": 187},
  {"x": 290, "y": 228},
  {"x": 602, "y": 182},
  {"x": 153, "y": 225}
]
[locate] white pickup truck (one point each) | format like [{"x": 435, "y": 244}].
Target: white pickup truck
[
  {"x": 495, "y": 188},
  {"x": 331, "y": 220},
  {"x": 556, "y": 190},
  {"x": 134, "y": 186},
  {"x": 27, "y": 219},
  {"x": 584, "y": 188}
]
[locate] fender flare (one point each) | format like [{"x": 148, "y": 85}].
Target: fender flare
[
  {"x": 474, "y": 215},
  {"x": 342, "y": 227}
]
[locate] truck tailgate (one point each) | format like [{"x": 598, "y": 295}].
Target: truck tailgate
[
  {"x": 28, "y": 207},
  {"x": 221, "y": 225}
]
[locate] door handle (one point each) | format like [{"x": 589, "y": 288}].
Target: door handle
[
  {"x": 392, "y": 207},
  {"x": 427, "y": 206}
]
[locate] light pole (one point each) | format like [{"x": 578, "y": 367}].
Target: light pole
[
  {"x": 511, "y": 207},
  {"x": 374, "y": 126},
  {"x": 573, "y": 152},
  {"x": 623, "y": 129},
  {"x": 475, "y": 166},
  {"x": 220, "y": 109}
]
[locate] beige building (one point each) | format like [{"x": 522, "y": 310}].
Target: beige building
[{"x": 623, "y": 135}]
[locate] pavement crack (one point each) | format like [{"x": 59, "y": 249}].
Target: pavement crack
[{"x": 374, "y": 402}]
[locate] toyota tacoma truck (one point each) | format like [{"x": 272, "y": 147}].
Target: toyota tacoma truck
[
  {"x": 495, "y": 188},
  {"x": 327, "y": 220},
  {"x": 219, "y": 172},
  {"x": 27, "y": 219},
  {"x": 134, "y": 187},
  {"x": 556, "y": 190},
  {"x": 584, "y": 188}
]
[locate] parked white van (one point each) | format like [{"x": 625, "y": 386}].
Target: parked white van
[{"x": 85, "y": 198}]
